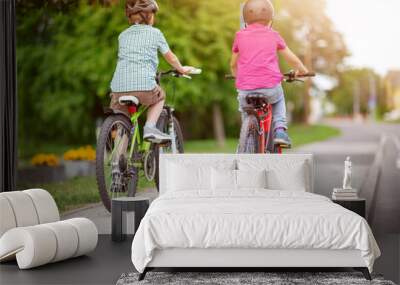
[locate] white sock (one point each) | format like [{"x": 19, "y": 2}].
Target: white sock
[{"x": 150, "y": 125}]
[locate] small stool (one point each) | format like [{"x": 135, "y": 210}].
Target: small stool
[{"x": 119, "y": 206}]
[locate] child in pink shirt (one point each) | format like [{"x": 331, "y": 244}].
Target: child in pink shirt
[{"x": 255, "y": 63}]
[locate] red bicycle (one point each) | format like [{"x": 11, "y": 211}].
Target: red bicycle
[{"x": 256, "y": 134}]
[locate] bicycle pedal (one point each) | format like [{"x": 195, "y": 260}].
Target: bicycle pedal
[
  {"x": 164, "y": 143},
  {"x": 157, "y": 141},
  {"x": 285, "y": 146},
  {"x": 117, "y": 190}
]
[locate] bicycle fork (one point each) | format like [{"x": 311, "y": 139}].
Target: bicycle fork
[
  {"x": 171, "y": 130},
  {"x": 173, "y": 137},
  {"x": 121, "y": 146}
]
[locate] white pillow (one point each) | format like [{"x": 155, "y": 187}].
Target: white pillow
[
  {"x": 223, "y": 179},
  {"x": 293, "y": 180},
  {"x": 183, "y": 177},
  {"x": 251, "y": 179},
  {"x": 283, "y": 173}
]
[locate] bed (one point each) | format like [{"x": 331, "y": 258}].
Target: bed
[{"x": 247, "y": 211}]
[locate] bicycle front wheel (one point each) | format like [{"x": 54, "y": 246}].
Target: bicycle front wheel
[
  {"x": 249, "y": 138},
  {"x": 163, "y": 125},
  {"x": 115, "y": 174}
]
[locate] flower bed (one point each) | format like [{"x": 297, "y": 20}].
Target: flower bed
[{"x": 49, "y": 168}]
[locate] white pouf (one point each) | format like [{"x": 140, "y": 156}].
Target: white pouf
[
  {"x": 45, "y": 205},
  {"x": 31, "y": 233},
  {"x": 7, "y": 218},
  {"x": 23, "y": 208}
]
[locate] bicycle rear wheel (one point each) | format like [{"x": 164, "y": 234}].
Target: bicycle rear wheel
[
  {"x": 115, "y": 175},
  {"x": 163, "y": 125},
  {"x": 249, "y": 136}
]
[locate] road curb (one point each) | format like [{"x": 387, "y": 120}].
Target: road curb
[
  {"x": 370, "y": 183},
  {"x": 84, "y": 208}
]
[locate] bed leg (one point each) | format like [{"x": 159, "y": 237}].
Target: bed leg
[
  {"x": 365, "y": 272},
  {"x": 142, "y": 275}
]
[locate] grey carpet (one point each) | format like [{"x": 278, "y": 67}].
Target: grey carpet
[{"x": 270, "y": 278}]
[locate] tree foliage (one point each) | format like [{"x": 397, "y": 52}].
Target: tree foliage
[
  {"x": 352, "y": 82},
  {"x": 67, "y": 53}
]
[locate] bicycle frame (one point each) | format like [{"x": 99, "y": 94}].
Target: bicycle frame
[
  {"x": 136, "y": 138},
  {"x": 265, "y": 118},
  {"x": 265, "y": 121}
]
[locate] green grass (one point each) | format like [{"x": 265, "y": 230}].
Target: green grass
[
  {"x": 80, "y": 191},
  {"x": 303, "y": 134},
  {"x": 71, "y": 194},
  {"x": 300, "y": 135}
]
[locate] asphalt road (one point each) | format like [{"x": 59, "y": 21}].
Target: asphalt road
[{"x": 375, "y": 171}]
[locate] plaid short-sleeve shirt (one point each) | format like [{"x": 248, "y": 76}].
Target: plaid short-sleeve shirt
[{"x": 138, "y": 58}]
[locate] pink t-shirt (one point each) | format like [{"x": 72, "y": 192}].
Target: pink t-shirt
[{"x": 258, "y": 63}]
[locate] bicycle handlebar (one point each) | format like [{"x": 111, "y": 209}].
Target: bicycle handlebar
[
  {"x": 292, "y": 73},
  {"x": 291, "y": 76},
  {"x": 175, "y": 73},
  {"x": 229, "y": 77}
]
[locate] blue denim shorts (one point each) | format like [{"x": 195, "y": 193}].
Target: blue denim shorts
[{"x": 273, "y": 95}]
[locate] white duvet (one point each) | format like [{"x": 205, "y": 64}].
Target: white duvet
[{"x": 250, "y": 219}]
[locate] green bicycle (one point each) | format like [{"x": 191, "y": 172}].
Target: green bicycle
[{"x": 121, "y": 154}]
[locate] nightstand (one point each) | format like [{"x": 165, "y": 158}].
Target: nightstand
[
  {"x": 126, "y": 213},
  {"x": 357, "y": 206}
]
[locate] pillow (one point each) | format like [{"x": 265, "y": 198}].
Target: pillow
[
  {"x": 183, "y": 177},
  {"x": 283, "y": 172},
  {"x": 251, "y": 179},
  {"x": 223, "y": 179},
  {"x": 293, "y": 180}
]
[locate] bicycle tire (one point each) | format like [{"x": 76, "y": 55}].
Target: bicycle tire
[
  {"x": 271, "y": 147},
  {"x": 249, "y": 138},
  {"x": 100, "y": 150},
  {"x": 162, "y": 125}
]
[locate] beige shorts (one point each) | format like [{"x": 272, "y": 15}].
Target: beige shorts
[{"x": 146, "y": 98}]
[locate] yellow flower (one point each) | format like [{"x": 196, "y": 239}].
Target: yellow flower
[
  {"x": 43, "y": 159},
  {"x": 82, "y": 153}
]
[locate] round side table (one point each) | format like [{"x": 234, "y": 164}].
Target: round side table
[{"x": 120, "y": 208}]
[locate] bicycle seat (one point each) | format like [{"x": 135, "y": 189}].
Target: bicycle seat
[
  {"x": 257, "y": 100},
  {"x": 128, "y": 100}
]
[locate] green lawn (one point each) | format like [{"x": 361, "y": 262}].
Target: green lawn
[
  {"x": 300, "y": 135},
  {"x": 71, "y": 194},
  {"x": 77, "y": 192}
]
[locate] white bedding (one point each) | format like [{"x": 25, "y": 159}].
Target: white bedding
[{"x": 250, "y": 219}]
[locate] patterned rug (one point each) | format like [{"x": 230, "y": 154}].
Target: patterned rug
[{"x": 253, "y": 278}]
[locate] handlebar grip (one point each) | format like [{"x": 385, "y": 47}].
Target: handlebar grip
[
  {"x": 310, "y": 74},
  {"x": 196, "y": 71},
  {"x": 292, "y": 74}
]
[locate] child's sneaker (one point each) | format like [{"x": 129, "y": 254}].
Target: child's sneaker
[
  {"x": 154, "y": 135},
  {"x": 282, "y": 138}
]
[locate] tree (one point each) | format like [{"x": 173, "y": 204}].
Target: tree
[
  {"x": 312, "y": 35},
  {"x": 355, "y": 82},
  {"x": 201, "y": 33},
  {"x": 67, "y": 52}
]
